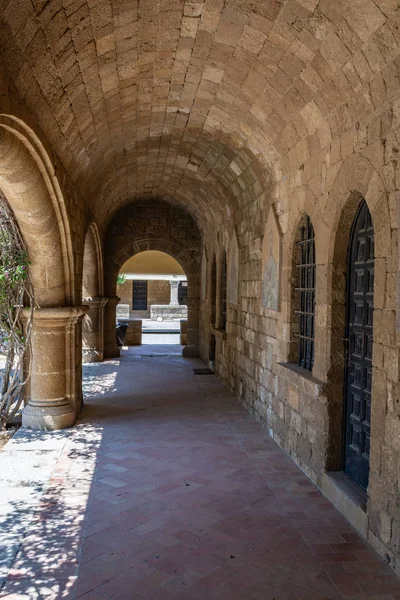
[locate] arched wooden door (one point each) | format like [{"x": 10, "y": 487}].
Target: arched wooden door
[{"x": 360, "y": 312}]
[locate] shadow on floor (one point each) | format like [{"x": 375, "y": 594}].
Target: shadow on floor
[{"x": 168, "y": 489}]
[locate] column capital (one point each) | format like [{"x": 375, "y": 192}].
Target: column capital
[
  {"x": 113, "y": 300},
  {"x": 58, "y": 316},
  {"x": 192, "y": 302},
  {"x": 97, "y": 302}
]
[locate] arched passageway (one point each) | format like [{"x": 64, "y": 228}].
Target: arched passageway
[
  {"x": 137, "y": 229},
  {"x": 92, "y": 292},
  {"x": 208, "y": 129},
  {"x": 34, "y": 195},
  {"x": 153, "y": 291}
]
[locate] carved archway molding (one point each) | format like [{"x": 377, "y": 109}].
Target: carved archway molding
[
  {"x": 179, "y": 252},
  {"x": 29, "y": 181},
  {"x": 171, "y": 247},
  {"x": 93, "y": 276},
  {"x": 92, "y": 292},
  {"x": 357, "y": 180}
]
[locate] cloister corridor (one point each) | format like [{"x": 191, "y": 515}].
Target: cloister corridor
[{"x": 167, "y": 488}]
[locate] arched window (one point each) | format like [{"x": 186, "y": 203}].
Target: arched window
[
  {"x": 222, "y": 293},
  {"x": 213, "y": 291},
  {"x": 304, "y": 296}
]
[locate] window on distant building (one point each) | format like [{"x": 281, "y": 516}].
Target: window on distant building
[{"x": 139, "y": 295}]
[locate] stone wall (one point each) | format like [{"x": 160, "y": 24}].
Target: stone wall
[
  {"x": 302, "y": 411},
  {"x": 158, "y": 292},
  {"x": 228, "y": 111},
  {"x": 163, "y": 226},
  {"x": 168, "y": 313}
]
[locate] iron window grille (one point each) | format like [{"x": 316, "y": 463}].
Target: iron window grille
[
  {"x": 306, "y": 294},
  {"x": 213, "y": 290},
  {"x": 223, "y": 294},
  {"x": 182, "y": 292},
  {"x": 139, "y": 295}
]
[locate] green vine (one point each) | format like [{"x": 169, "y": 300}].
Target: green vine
[{"x": 121, "y": 279}]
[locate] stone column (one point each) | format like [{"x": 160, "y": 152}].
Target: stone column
[
  {"x": 56, "y": 375},
  {"x": 174, "y": 293},
  {"x": 191, "y": 350},
  {"x": 93, "y": 331},
  {"x": 111, "y": 349}
]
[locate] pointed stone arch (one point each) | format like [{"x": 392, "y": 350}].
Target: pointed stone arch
[
  {"x": 191, "y": 267},
  {"x": 29, "y": 182},
  {"x": 92, "y": 272},
  {"x": 357, "y": 181},
  {"x": 233, "y": 269},
  {"x": 92, "y": 292}
]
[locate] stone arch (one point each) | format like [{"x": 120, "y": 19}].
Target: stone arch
[
  {"x": 293, "y": 283},
  {"x": 29, "y": 182},
  {"x": 223, "y": 268},
  {"x": 357, "y": 180},
  {"x": 302, "y": 202},
  {"x": 92, "y": 292},
  {"x": 92, "y": 272},
  {"x": 233, "y": 269},
  {"x": 213, "y": 287},
  {"x": 172, "y": 247},
  {"x": 152, "y": 224},
  {"x": 180, "y": 253}
]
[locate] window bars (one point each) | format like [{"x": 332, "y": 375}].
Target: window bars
[
  {"x": 223, "y": 292},
  {"x": 139, "y": 295},
  {"x": 182, "y": 292},
  {"x": 306, "y": 294}
]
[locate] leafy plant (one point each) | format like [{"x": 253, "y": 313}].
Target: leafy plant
[
  {"x": 121, "y": 279},
  {"x": 15, "y": 321}
]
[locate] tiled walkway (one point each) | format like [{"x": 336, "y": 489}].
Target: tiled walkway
[{"x": 169, "y": 489}]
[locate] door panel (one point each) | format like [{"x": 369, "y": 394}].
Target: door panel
[{"x": 360, "y": 311}]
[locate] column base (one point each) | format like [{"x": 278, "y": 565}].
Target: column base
[
  {"x": 91, "y": 356},
  {"x": 48, "y": 418},
  {"x": 112, "y": 352},
  {"x": 190, "y": 352}
]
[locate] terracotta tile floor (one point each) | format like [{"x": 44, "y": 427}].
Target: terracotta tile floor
[{"x": 169, "y": 489}]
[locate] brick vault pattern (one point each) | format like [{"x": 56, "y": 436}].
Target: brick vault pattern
[{"x": 226, "y": 110}]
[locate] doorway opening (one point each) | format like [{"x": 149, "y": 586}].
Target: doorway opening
[
  {"x": 212, "y": 352},
  {"x": 359, "y": 333},
  {"x": 152, "y": 287}
]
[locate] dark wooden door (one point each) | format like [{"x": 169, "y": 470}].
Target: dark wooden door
[{"x": 360, "y": 313}]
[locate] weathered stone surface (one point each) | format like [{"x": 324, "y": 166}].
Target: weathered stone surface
[{"x": 201, "y": 116}]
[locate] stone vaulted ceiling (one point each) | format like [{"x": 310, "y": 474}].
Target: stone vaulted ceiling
[{"x": 193, "y": 101}]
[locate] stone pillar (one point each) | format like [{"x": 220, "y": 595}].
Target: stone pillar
[
  {"x": 56, "y": 368},
  {"x": 174, "y": 293},
  {"x": 111, "y": 349},
  {"x": 183, "y": 332},
  {"x": 93, "y": 331},
  {"x": 191, "y": 350}
]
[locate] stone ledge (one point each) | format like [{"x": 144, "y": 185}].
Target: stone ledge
[
  {"x": 219, "y": 333},
  {"x": 301, "y": 378},
  {"x": 350, "y": 500}
]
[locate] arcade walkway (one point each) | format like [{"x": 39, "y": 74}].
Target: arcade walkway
[{"x": 169, "y": 489}]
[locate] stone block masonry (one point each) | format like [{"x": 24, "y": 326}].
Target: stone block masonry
[{"x": 179, "y": 126}]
